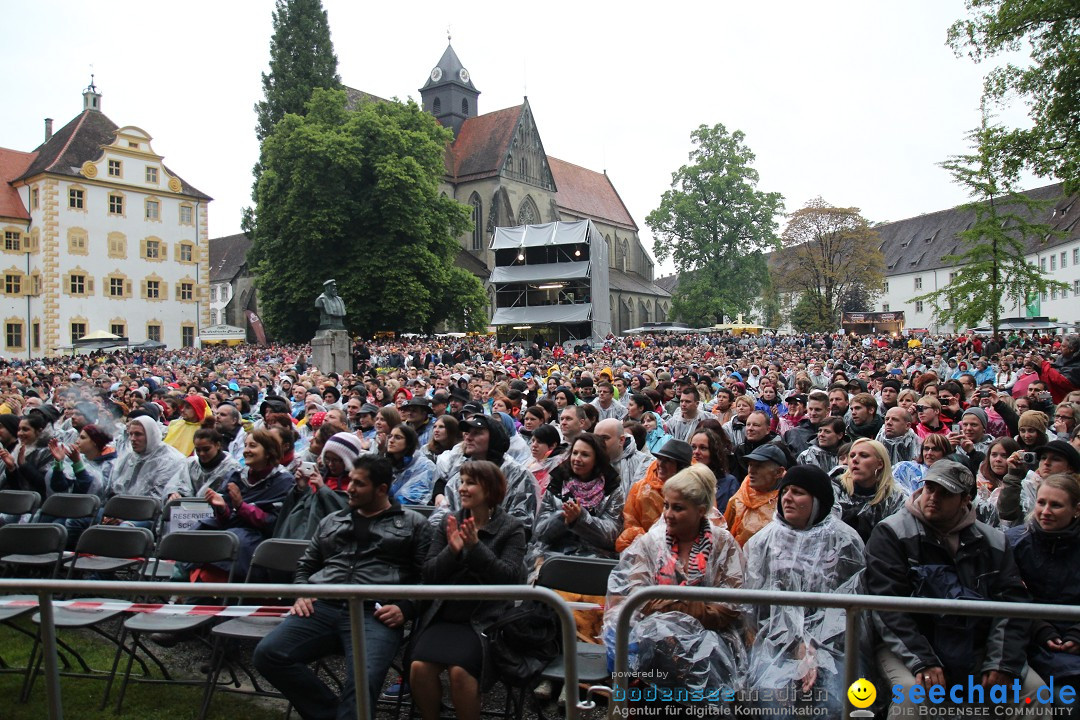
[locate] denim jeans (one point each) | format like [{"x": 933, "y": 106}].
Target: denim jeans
[{"x": 284, "y": 655}]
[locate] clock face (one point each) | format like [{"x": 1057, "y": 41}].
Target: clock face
[
  {"x": 464, "y": 75},
  {"x": 436, "y": 74}
]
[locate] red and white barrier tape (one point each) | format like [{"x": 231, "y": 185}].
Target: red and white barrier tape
[{"x": 206, "y": 610}]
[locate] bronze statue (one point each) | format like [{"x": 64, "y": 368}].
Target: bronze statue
[{"x": 331, "y": 307}]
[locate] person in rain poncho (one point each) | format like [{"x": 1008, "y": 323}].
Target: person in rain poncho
[
  {"x": 657, "y": 437},
  {"x": 645, "y": 501},
  {"x": 85, "y": 467},
  {"x": 413, "y": 473},
  {"x": 207, "y": 468},
  {"x": 753, "y": 505},
  {"x": 866, "y": 493},
  {"x": 485, "y": 439},
  {"x": 804, "y": 549},
  {"x": 248, "y": 504},
  {"x": 693, "y": 647},
  {"x": 181, "y": 432},
  {"x": 150, "y": 464}
]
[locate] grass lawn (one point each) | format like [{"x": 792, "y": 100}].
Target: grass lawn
[{"x": 81, "y": 695}]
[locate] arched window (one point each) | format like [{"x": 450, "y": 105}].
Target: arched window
[
  {"x": 624, "y": 246},
  {"x": 610, "y": 254},
  {"x": 478, "y": 222},
  {"x": 527, "y": 212},
  {"x": 436, "y": 107},
  {"x": 465, "y": 106}
]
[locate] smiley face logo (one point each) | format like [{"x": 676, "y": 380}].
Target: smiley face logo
[{"x": 862, "y": 693}]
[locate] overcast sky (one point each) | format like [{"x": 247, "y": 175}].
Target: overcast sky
[{"x": 855, "y": 101}]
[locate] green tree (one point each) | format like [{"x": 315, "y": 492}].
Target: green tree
[
  {"x": 992, "y": 268},
  {"x": 1049, "y": 84},
  {"x": 354, "y": 195},
  {"x": 716, "y": 226},
  {"x": 811, "y": 316},
  {"x": 301, "y": 59},
  {"x": 829, "y": 253}
]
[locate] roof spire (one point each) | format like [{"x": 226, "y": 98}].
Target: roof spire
[
  {"x": 447, "y": 33},
  {"x": 91, "y": 96}
]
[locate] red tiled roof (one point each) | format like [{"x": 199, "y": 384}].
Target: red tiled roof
[
  {"x": 588, "y": 193},
  {"x": 481, "y": 147},
  {"x": 13, "y": 163}
]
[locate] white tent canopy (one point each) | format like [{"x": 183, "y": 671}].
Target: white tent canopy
[
  {"x": 553, "y": 233},
  {"x": 536, "y": 273},
  {"x": 542, "y": 314}
]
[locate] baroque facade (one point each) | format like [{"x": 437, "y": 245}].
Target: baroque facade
[{"x": 99, "y": 235}]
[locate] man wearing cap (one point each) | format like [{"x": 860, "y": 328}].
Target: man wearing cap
[
  {"x": 756, "y": 433},
  {"x": 753, "y": 505},
  {"x": 605, "y": 403},
  {"x": 888, "y": 396},
  {"x": 1020, "y": 486},
  {"x": 458, "y": 397},
  {"x": 486, "y": 439},
  {"x": 645, "y": 501},
  {"x": 417, "y": 412},
  {"x": 936, "y": 548}
]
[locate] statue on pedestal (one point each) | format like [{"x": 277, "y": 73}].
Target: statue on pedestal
[{"x": 331, "y": 307}]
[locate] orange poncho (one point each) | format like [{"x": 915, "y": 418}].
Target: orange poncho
[{"x": 749, "y": 510}]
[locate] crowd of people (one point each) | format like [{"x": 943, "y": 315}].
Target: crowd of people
[{"x": 931, "y": 466}]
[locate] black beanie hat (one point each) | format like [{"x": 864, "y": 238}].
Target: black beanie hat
[
  {"x": 10, "y": 423},
  {"x": 813, "y": 480}
]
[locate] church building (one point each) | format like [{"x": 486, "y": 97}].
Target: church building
[{"x": 497, "y": 165}]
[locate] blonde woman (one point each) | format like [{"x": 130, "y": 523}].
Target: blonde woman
[{"x": 866, "y": 493}]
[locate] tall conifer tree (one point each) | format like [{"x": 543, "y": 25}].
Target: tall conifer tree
[{"x": 301, "y": 59}]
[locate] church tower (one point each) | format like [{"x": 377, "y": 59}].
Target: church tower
[{"x": 449, "y": 93}]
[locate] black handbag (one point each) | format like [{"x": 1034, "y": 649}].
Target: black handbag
[{"x": 519, "y": 645}]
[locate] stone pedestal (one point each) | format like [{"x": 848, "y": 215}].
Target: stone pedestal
[{"x": 331, "y": 351}]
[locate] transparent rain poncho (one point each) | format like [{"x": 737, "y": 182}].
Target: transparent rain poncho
[
  {"x": 146, "y": 473},
  {"x": 671, "y": 648},
  {"x": 790, "y": 641}
]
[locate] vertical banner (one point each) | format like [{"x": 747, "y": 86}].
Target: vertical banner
[
  {"x": 257, "y": 326},
  {"x": 1034, "y": 305}
]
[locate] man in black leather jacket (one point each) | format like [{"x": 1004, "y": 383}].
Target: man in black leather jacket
[{"x": 373, "y": 542}]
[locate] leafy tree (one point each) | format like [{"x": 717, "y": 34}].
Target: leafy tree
[
  {"x": 716, "y": 225},
  {"x": 301, "y": 59},
  {"x": 811, "y": 316},
  {"x": 354, "y": 195},
  {"x": 1049, "y": 84},
  {"x": 829, "y": 253},
  {"x": 993, "y": 267}
]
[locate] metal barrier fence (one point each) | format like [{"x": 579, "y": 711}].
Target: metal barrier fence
[
  {"x": 854, "y": 605},
  {"x": 354, "y": 594}
]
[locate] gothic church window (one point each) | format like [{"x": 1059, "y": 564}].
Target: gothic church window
[
  {"x": 478, "y": 222},
  {"x": 527, "y": 213}
]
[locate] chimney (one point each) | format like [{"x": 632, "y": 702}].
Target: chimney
[{"x": 48, "y": 129}]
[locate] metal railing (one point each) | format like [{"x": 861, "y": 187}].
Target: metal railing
[
  {"x": 854, "y": 605},
  {"x": 354, "y": 594}
]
